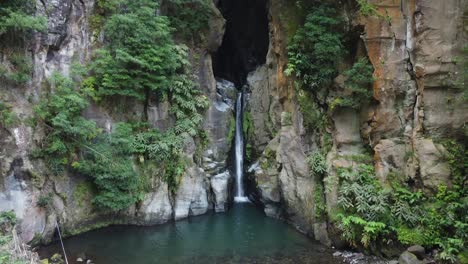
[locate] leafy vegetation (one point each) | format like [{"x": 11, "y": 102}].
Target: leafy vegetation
[
  {"x": 358, "y": 82},
  {"x": 370, "y": 212},
  {"x": 44, "y": 200},
  {"x": 189, "y": 17},
  {"x": 461, "y": 81},
  {"x": 313, "y": 118},
  {"x": 21, "y": 69},
  {"x": 365, "y": 204},
  {"x": 140, "y": 60},
  {"x": 317, "y": 164},
  {"x": 318, "y": 168},
  {"x": 7, "y": 117},
  {"x": 140, "y": 56},
  {"x": 66, "y": 130},
  {"x": 366, "y": 8},
  {"x": 316, "y": 48},
  {"x": 7, "y": 244},
  {"x": 17, "y": 20},
  {"x": 109, "y": 162}
]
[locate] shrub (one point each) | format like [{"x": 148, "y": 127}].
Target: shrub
[
  {"x": 7, "y": 117},
  {"x": 189, "y": 17},
  {"x": 368, "y": 211},
  {"x": 317, "y": 164},
  {"x": 66, "y": 130},
  {"x": 17, "y": 20},
  {"x": 108, "y": 161},
  {"x": 140, "y": 56},
  {"x": 313, "y": 118},
  {"x": 44, "y": 200},
  {"x": 360, "y": 193},
  {"x": 21, "y": 70},
  {"x": 358, "y": 82},
  {"x": 366, "y": 8},
  {"x": 316, "y": 48}
]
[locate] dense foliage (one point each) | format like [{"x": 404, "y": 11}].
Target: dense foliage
[
  {"x": 316, "y": 48},
  {"x": 371, "y": 213},
  {"x": 318, "y": 168},
  {"x": 366, "y": 8},
  {"x": 20, "y": 70},
  {"x": 139, "y": 60},
  {"x": 358, "y": 81},
  {"x": 17, "y": 22},
  {"x": 109, "y": 162},
  {"x": 189, "y": 17},
  {"x": 66, "y": 130},
  {"x": 140, "y": 56}
]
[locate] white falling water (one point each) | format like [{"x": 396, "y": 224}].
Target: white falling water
[{"x": 239, "y": 153}]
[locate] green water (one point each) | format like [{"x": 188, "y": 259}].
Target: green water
[{"x": 242, "y": 235}]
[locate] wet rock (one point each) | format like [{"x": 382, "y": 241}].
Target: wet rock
[
  {"x": 219, "y": 185},
  {"x": 408, "y": 258},
  {"x": 156, "y": 206},
  {"x": 321, "y": 233},
  {"x": 191, "y": 197},
  {"x": 417, "y": 250}
]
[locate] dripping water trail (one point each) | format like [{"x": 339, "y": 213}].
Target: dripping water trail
[{"x": 239, "y": 152}]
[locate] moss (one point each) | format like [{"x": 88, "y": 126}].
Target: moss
[
  {"x": 82, "y": 191},
  {"x": 86, "y": 228},
  {"x": 232, "y": 129},
  {"x": 327, "y": 143},
  {"x": 96, "y": 23},
  {"x": 269, "y": 158},
  {"x": 247, "y": 126},
  {"x": 311, "y": 114},
  {"x": 319, "y": 202},
  {"x": 21, "y": 69},
  {"x": 44, "y": 200},
  {"x": 7, "y": 117},
  {"x": 359, "y": 158},
  {"x": 293, "y": 14}
]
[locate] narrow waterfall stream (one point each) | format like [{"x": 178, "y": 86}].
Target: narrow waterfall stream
[{"x": 239, "y": 151}]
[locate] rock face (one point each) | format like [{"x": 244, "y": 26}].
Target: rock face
[
  {"x": 415, "y": 95},
  {"x": 414, "y": 55},
  {"x": 204, "y": 185}
]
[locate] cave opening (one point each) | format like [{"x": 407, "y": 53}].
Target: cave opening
[{"x": 245, "y": 42}]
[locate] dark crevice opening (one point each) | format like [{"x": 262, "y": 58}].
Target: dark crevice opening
[{"x": 245, "y": 42}]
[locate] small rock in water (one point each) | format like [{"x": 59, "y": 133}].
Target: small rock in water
[
  {"x": 337, "y": 254},
  {"x": 79, "y": 260},
  {"x": 359, "y": 256}
]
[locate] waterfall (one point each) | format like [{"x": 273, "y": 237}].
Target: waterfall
[{"x": 239, "y": 152}]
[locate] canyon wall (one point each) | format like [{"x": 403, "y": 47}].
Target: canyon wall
[
  {"x": 70, "y": 40},
  {"x": 414, "y": 48},
  {"x": 413, "y": 52}
]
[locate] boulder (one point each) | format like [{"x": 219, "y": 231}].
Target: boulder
[
  {"x": 418, "y": 251},
  {"x": 220, "y": 188},
  {"x": 408, "y": 258},
  {"x": 156, "y": 207},
  {"x": 435, "y": 170},
  {"x": 191, "y": 197}
]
